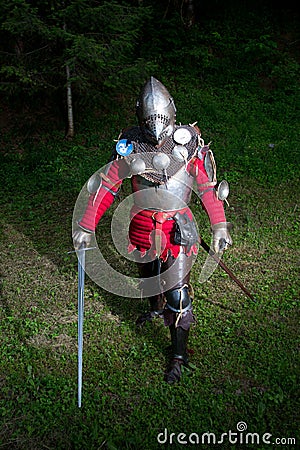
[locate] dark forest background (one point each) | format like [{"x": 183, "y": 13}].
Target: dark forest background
[{"x": 104, "y": 51}]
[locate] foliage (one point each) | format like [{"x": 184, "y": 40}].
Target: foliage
[
  {"x": 109, "y": 45},
  {"x": 98, "y": 41}
]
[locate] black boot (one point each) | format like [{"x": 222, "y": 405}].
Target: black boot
[{"x": 179, "y": 339}]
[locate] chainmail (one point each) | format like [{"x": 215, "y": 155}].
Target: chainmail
[{"x": 142, "y": 146}]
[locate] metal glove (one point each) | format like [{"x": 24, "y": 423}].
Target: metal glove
[
  {"x": 221, "y": 237},
  {"x": 80, "y": 237}
]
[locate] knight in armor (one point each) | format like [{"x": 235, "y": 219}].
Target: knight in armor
[{"x": 163, "y": 161}]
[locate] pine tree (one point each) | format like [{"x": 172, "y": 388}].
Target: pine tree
[{"x": 84, "y": 47}]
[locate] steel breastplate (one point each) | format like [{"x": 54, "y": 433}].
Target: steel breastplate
[{"x": 174, "y": 194}]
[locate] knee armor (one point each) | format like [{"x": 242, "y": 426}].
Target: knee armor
[{"x": 179, "y": 300}]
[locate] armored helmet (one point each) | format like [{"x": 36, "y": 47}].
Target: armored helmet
[{"x": 156, "y": 111}]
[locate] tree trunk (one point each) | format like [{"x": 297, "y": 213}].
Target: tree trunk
[{"x": 70, "y": 131}]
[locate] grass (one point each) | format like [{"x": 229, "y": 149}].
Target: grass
[{"x": 245, "y": 353}]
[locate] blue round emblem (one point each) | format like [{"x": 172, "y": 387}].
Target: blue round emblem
[{"x": 124, "y": 147}]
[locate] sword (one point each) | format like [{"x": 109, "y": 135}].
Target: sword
[
  {"x": 225, "y": 268},
  {"x": 81, "y": 267}
]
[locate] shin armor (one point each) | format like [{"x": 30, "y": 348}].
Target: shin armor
[
  {"x": 179, "y": 317},
  {"x": 178, "y": 314}
]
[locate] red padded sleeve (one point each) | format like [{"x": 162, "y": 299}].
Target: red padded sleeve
[
  {"x": 212, "y": 205},
  {"x": 99, "y": 202}
]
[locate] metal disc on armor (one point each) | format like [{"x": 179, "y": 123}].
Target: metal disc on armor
[
  {"x": 223, "y": 190},
  {"x": 180, "y": 152},
  {"x": 124, "y": 147},
  {"x": 161, "y": 161},
  {"x": 210, "y": 166},
  {"x": 137, "y": 166},
  {"x": 182, "y": 136},
  {"x": 94, "y": 183}
]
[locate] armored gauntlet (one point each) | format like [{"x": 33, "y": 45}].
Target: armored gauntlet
[
  {"x": 221, "y": 237},
  {"x": 81, "y": 237}
]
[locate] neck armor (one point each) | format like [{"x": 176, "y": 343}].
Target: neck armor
[{"x": 156, "y": 111}]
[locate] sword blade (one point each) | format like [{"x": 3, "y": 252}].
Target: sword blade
[{"x": 81, "y": 268}]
